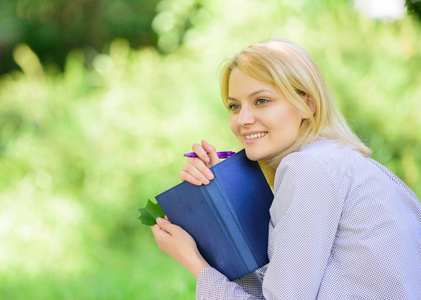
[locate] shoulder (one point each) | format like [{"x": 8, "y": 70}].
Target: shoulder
[
  {"x": 318, "y": 158},
  {"x": 306, "y": 177}
]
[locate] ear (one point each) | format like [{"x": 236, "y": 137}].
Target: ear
[{"x": 311, "y": 105}]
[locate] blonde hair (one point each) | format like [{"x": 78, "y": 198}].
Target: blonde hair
[{"x": 294, "y": 73}]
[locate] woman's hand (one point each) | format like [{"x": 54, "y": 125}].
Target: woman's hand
[
  {"x": 177, "y": 243},
  {"x": 196, "y": 170},
  {"x": 173, "y": 239}
]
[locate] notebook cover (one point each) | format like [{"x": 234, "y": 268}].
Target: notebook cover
[{"x": 228, "y": 218}]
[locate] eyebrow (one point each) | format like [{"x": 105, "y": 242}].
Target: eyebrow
[{"x": 253, "y": 93}]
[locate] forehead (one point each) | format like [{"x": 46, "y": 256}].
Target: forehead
[{"x": 242, "y": 84}]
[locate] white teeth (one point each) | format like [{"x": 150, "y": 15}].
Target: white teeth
[{"x": 255, "y": 136}]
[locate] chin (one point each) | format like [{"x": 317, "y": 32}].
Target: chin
[{"x": 255, "y": 155}]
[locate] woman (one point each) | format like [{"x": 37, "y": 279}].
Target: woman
[{"x": 342, "y": 225}]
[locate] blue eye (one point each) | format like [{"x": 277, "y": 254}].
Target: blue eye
[
  {"x": 233, "y": 106},
  {"x": 261, "y": 101}
]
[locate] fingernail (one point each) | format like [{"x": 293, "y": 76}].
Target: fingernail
[{"x": 206, "y": 181}]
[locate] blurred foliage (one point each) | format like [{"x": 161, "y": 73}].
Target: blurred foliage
[
  {"x": 414, "y": 8},
  {"x": 51, "y": 28},
  {"x": 82, "y": 149}
]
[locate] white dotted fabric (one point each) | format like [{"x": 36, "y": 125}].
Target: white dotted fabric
[{"x": 342, "y": 227}]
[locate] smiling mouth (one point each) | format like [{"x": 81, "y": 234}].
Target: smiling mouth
[{"x": 255, "y": 135}]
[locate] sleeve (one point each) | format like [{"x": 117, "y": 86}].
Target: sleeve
[
  {"x": 304, "y": 219},
  {"x": 211, "y": 284}
]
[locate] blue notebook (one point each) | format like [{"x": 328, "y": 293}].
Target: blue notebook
[{"x": 229, "y": 218}]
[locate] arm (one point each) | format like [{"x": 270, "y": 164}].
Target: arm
[
  {"x": 305, "y": 217},
  {"x": 172, "y": 239},
  {"x": 177, "y": 243},
  {"x": 180, "y": 245}
]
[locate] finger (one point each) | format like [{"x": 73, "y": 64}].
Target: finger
[
  {"x": 202, "y": 168},
  {"x": 201, "y": 152},
  {"x": 161, "y": 237},
  {"x": 213, "y": 156},
  {"x": 192, "y": 168},
  {"x": 159, "y": 233},
  {"x": 166, "y": 225},
  {"x": 198, "y": 170},
  {"x": 155, "y": 229},
  {"x": 184, "y": 176}
]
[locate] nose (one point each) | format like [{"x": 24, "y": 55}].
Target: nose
[{"x": 246, "y": 116}]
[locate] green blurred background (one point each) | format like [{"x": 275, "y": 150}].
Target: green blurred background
[{"x": 99, "y": 99}]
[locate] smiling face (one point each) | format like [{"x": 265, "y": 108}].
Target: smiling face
[{"x": 263, "y": 120}]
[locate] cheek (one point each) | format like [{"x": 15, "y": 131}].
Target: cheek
[
  {"x": 287, "y": 122},
  {"x": 233, "y": 125}
]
